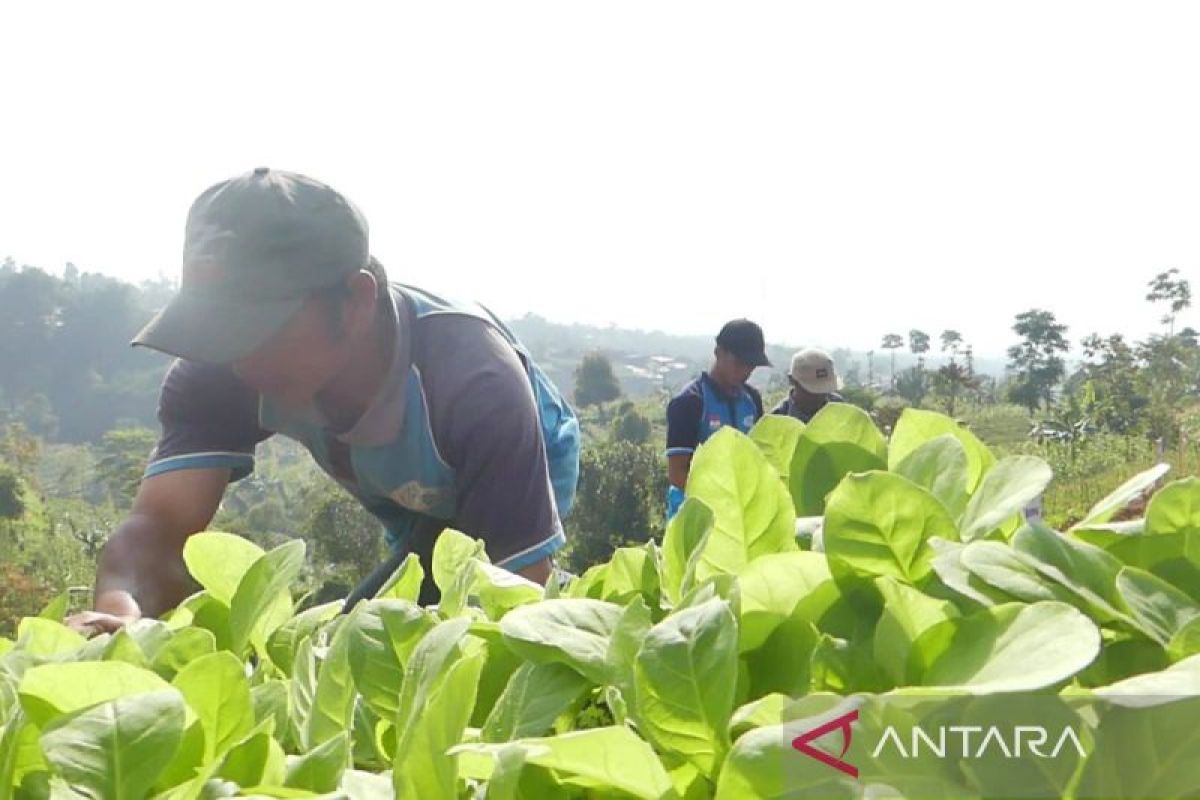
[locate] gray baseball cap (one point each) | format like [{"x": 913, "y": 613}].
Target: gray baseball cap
[
  {"x": 813, "y": 369},
  {"x": 254, "y": 247}
]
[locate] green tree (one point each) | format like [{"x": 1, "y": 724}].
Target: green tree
[
  {"x": 123, "y": 454},
  {"x": 345, "y": 536},
  {"x": 631, "y": 425},
  {"x": 952, "y": 342},
  {"x": 1112, "y": 372},
  {"x": 1036, "y": 362},
  {"x": 912, "y": 384},
  {"x": 1169, "y": 288},
  {"x": 12, "y": 495},
  {"x": 893, "y": 342},
  {"x": 918, "y": 345},
  {"x": 620, "y": 501},
  {"x": 595, "y": 382}
]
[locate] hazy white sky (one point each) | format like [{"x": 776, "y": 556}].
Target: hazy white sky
[{"x": 833, "y": 170}]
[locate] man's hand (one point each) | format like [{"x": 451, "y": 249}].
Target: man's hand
[
  {"x": 94, "y": 623},
  {"x": 141, "y": 571}
]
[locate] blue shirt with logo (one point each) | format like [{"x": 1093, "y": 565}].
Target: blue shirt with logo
[{"x": 699, "y": 410}]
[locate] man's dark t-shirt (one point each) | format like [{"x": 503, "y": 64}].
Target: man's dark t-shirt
[
  {"x": 789, "y": 409},
  {"x": 482, "y": 415}
]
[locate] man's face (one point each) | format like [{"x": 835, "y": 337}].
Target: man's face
[
  {"x": 736, "y": 370},
  {"x": 300, "y": 359},
  {"x": 803, "y": 397}
]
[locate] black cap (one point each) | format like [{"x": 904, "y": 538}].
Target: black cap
[{"x": 744, "y": 339}]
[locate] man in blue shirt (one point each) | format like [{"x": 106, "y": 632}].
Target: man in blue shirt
[{"x": 718, "y": 397}]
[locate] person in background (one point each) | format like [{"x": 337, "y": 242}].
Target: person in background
[
  {"x": 716, "y": 398},
  {"x": 814, "y": 383}
]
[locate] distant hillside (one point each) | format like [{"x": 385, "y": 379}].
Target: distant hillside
[{"x": 647, "y": 362}]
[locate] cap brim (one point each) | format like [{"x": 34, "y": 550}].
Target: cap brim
[
  {"x": 755, "y": 360},
  {"x": 200, "y": 327},
  {"x": 827, "y": 386}
]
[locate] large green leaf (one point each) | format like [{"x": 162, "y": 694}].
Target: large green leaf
[
  {"x": 535, "y": 696},
  {"x": 916, "y": 427},
  {"x": 282, "y": 644},
  {"x": 773, "y": 587},
  {"x": 385, "y": 633},
  {"x": 907, "y": 613},
  {"x": 454, "y": 556},
  {"x": 948, "y": 564},
  {"x": 783, "y": 663},
  {"x": 1155, "y": 688},
  {"x": 612, "y": 761},
  {"x": 320, "y": 769},
  {"x": 575, "y": 632},
  {"x": 500, "y": 591},
  {"x": 118, "y": 748},
  {"x": 219, "y": 561},
  {"x": 1088, "y": 572},
  {"x": 216, "y": 688},
  {"x": 880, "y": 524},
  {"x": 270, "y": 702},
  {"x": 686, "y": 674},
  {"x": 333, "y": 697},
  {"x": 752, "y": 513},
  {"x": 777, "y": 436},
  {"x": 52, "y": 690},
  {"x": 940, "y": 467},
  {"x": 1123, "y": 495},
  {"x": 46, "y": 638},
  {"x": 302, "y": 691},
  {"x": 623, "y": 647},
  {"x": 1145, "y": 750},
  {"x": 1005, "y": 491},
  {"x": 764, "y": 765},
  {"x": 185, "y": 646},
  {"x": 262, "y": 602},
  {"x": 405, "y": 582},
  {"x": 256, "y": 760},
  {"x": 839, "y": 440},
  {"x": 440, "y": 684},
  {"x": 1007, "y": 648},
  {"x": 1003, "y": 568},
  {"x": 683, "y": 542},
  {"x": 1175, "y": 509},
  {"x": 632, "y": 571},
  {"x": 1186, "y": 641},
  {"x": 1159, "y": 608}
]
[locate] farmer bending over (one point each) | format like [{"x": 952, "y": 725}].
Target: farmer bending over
[{"x": 431, "y": 414}]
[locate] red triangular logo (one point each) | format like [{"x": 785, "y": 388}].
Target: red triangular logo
[{"x": 842, "y": 723}]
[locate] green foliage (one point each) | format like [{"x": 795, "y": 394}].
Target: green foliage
[
  {"x": 631, "y": 425},
  {"x": 620, "y": 500},
  {"x": 681, "y": 671},
  {"x": 1036, "y": 361},
  {"x": 123, "y": 454},
  {"x": 595, "y": 381},
  {"x": 12, "y": 500}
]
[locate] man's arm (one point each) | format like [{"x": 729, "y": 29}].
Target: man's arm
[
  {"x": 678, "y": 468},
  {"x": 683, "y": 436},
  {"x": 209, "y": 430},
  {"x": 141, "y": 571}
]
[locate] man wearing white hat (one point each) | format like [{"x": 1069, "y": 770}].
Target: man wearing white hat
[{"x": 814, "y": 381}]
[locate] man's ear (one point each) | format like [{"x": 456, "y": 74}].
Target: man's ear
[{"x": 363, "y": 299}]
